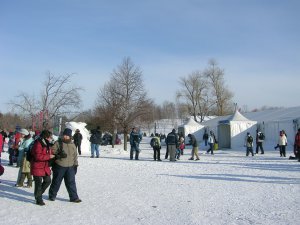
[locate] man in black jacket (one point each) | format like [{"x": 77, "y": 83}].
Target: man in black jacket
[
  {"x": 77, "y": 137},
  {"x": 194, "y": 143},
  {"x": 172, "y": 145},
  {"x": 96, "y": 139}
]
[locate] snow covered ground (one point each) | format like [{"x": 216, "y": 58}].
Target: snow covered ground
[{"x": 227, "y": 188}]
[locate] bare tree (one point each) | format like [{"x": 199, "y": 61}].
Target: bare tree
[
  {"x": 220, "y": 93},
  {"x": 195, "y": 92},
  {"x": 125, "y": 96},
  {"x": 58, "y": 98}
]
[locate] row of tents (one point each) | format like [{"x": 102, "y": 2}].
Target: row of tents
[{"x": 231, "y": 130}]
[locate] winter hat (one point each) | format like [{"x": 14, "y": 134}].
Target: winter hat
[
  {"x": 24, "y": 131},
  {"x": 67, "y": 132}
]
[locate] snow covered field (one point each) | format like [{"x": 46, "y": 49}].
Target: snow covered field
[{"x": 227, "y": 188}]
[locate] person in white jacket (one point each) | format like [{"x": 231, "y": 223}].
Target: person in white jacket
[{"x": 282, "y": 142}]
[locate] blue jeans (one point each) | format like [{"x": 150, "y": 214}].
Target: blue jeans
[{"x": 95, "y": 148}]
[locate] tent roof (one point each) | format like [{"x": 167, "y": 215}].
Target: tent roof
[
  {"x": 192, "y": 122},
  {"x": 281, "y": 114},
  {"x": 237, "y": 116}
]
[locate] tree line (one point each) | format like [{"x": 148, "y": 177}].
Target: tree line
[{"x": 122, "y": 102}]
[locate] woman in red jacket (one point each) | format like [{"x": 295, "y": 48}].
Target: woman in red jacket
[{"x": 41, "y": 154}]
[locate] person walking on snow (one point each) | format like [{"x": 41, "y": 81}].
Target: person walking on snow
[
  {"x": 135, "y": 139},
  {"x": 194, "y": 143},
  {"x": 77, "y": 137},
  {"x": 249, "y": 144},
  {"x": 260, "y": 137},
  {"x": 211, "y": 142},
  {"x": 65, "y": 167},
  {"x": 41, "y": 154}
]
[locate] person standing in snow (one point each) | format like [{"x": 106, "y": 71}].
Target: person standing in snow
[
  {"x": 205, "y": 137},
  {"x": 172, "y": 145},
  {"x": 1, "y": 145},
  {"x": 41, "y": 154},
  {"x": 134, "y": 139},
  {"x": 77, "y": 137},
  {"x": 155, "y": 144},
  {"x": 297, "y": 145},
  {"x": 194, "y": 143},
  {"x": 24, "y": 170},
  {"x": 259, "y": 141},
  {"x": 64, "y": 167},
  {"x": 282, "y": 142},
  {"x": 249, "y": 144},
  {"x": 96, "y": 140},
  {"x": 4, "y": 136}
]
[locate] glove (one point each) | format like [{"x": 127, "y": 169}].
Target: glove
[{"x": 75, "y": 169}]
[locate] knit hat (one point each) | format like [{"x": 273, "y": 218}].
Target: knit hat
[
  {"x": 67, "y": 132},
  {"x": 24, "y": 131}
]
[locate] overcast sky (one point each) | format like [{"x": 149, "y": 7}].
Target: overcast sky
[{"x": 256, "y": 42}]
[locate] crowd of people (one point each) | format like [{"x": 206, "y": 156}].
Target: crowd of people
[
  {"x": 50, "y": 162},
  {"x": 44, "y": 161}
]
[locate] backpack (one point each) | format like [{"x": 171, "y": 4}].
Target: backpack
[
  {"x": 28, "y": 152},
  {"x": 154, "y": 142},
  {"x": 249, "y": 139},
  {"x": 261, "y": 136}
]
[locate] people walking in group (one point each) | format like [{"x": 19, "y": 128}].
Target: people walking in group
[
  {"x": 96, "y": 140},
  {"x": 249, "y": 144},
  {"x": 77, "y": 137},
  {"x": 41, "y": 154},
  {"x": 211, "y": 142},
  {"x": 282, "y": 142},
  {"x": 135, "y": 139},
  {"x": 172, "y": 145},
  {"x": 260, "y": 137},
  {"x": 156, "y": 145},
  {"x": 194, "y": 143},
  {"x": 65, "y": 167}
]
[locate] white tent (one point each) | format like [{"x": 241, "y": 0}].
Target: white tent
[
  {"x": 232, "y": 131},
  {"x": 272, "y": 121},
  {"x": 190, "y": 127}
]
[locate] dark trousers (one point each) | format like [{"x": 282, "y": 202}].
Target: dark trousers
[
  {"x": 259, "y": 145},
  {"x": 211, "y": 148},
  {"x": 11, "y": 154},
  {"x": 249, "y": 150},
  {"x": 282, "y": 150},
  {"x": 137, "y": 152},
  {"x": 68, "y": 175},
  {"x": 156, "y": 153},
  {"x": 167, "y": 153},
  {"x": 78, "y": 146},
  {"x": 40, "y": 186}
]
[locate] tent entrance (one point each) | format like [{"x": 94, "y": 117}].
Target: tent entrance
[{"x": 224, "y": 136}]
